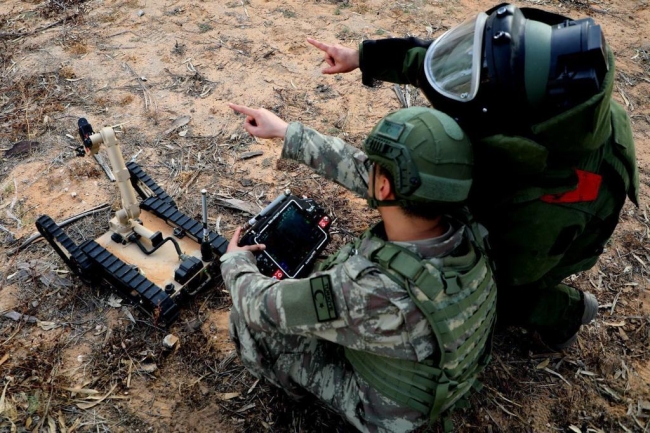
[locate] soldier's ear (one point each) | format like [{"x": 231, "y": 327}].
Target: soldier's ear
[{"x": 384, "y": 188}]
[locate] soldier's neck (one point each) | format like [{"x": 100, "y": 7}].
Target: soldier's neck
[{"x": 403, "y": 228}]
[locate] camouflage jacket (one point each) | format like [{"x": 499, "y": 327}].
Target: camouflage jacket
[{"x": 371, "y": 312}]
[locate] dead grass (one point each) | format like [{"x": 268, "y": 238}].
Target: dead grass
[
  {"x": 596, "y": 386},
  {"x": 78, "y": 48},
  {"x": 126, "y": 100}
]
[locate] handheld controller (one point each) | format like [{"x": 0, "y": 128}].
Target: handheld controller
[{"x": 295, "y": 231}]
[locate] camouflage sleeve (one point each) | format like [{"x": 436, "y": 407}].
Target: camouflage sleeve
[
  {"x": 395, "y": 60},
  {"x": 352, "y": 304},
  {"x": 330, "y": 157}
]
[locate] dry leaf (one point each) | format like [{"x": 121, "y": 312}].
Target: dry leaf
[
  {"x": 95, "y": 403},
  {"x": 241, "y": 205},
  {"x": 542, "y": 365},
  {"x": 62, "y": 425},
  {"x": 623, "y": 335},
  {"x": 114, "y": 301},
  {"x": 128, "y": 315},
  {"x": 4, "y": 358},
  {"x": 181, "y": 121},
  {"x": 575, "y": 429},
  {"x": 615, "y": 324},
  {"x": 16, "y": 316},
  {"x": 47, "y": 326},
  {"x": 75, "y": 425},
  {"x": 228, "y": 395},
  {"x": 81, "y": 390},
  {"x": 253, "y": 154},
  {"x": 51, "y": 424},
  {"x": 609, "y": 391},
  {"x": 245, "y": 408}
]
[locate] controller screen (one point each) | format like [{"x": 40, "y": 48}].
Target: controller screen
[{"x": 290, "y": 238}]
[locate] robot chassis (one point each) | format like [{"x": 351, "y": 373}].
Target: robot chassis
[{"x": 124, "y": 256}]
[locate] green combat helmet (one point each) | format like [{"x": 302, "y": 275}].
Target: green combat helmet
[{"x": 427, "y": 154}]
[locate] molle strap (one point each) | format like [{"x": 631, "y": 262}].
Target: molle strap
[
  {"x": 406, "y": 382},
  {"x": 400, "y": 260},
  {"x": 471, "y": 349},
  {"x": 473, "y": 321}
]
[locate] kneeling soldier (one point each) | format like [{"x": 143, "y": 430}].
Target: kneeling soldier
[{"x": 393, "y": 329}]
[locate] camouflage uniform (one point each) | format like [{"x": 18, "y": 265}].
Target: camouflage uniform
[{"x": 277, "y": 339}]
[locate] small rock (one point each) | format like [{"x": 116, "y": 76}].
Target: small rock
[
  {"x": 73, "y": 194},
  {"x": 170, "y": 341},
  {"x": 22, "y": 148},
  {"x": 140, "y": 12},
  {"x": 148, "y": 367},
  {"x": 193, "y": 325},
  {"x": 35, "y": 304}
]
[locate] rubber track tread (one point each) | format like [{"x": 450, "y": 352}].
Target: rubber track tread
[
  {"x": 76, "y": 260},
  {"x": 192, "y": 227},
  {"x": 126, "y": 279},
  {"x": 137, "y": 174}
]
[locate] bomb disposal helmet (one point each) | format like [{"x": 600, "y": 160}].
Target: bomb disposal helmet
[{"x": 509, "y": 63}]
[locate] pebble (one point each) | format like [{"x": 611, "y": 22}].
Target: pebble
[{"x": 170, "y": 341}]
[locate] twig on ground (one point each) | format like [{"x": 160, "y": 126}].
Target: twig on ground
[
  {"x": 146, "y": 94},
  {"x": 63, "y": 223}
]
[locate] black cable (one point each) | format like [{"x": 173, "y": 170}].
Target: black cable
[{"x": 144, "y": 250}]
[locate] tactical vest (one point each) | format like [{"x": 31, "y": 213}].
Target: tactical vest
[{"x": 458, "y": 301}]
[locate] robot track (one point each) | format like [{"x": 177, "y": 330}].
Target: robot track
[
  {"x": 131, "y": 283},
  {"x": 65, "y": 247},
  {"x": 145, "y": 186}
]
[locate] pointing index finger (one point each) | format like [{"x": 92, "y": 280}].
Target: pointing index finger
[
  {"x": 242, "y": 109},
  {"x": 318, "y": 44}
]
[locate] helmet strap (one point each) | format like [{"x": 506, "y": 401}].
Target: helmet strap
[{"x": 374, "y": 203}]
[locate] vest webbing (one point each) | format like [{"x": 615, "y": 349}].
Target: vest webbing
[{"x": 458, "y": 301}]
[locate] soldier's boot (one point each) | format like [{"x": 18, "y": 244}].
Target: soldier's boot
[{"x": 556, "y": 342}]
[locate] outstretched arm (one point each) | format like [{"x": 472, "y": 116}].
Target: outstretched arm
[
  {"x": 394, "y": 60},
  {"x": 328, "y": 156}
]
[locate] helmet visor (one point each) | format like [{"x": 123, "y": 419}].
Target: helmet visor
[{"x": 453, "y": 61}]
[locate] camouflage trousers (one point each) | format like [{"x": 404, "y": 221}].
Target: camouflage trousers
[{"x": 301, "y": 365}]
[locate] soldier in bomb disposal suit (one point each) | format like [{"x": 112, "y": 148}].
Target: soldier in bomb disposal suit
[
  {"x": 391, "y": 331},
  {"x": 554, "y": 153}
]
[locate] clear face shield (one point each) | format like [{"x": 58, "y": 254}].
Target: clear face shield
[{"x": 453, "y": 61}]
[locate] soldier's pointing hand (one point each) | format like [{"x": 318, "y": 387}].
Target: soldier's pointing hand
[
  {"x": 261, "y": 123},
  {"x": 340, "y": 59}
]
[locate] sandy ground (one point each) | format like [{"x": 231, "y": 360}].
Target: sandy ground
[{"x": 86, "y": 363}]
